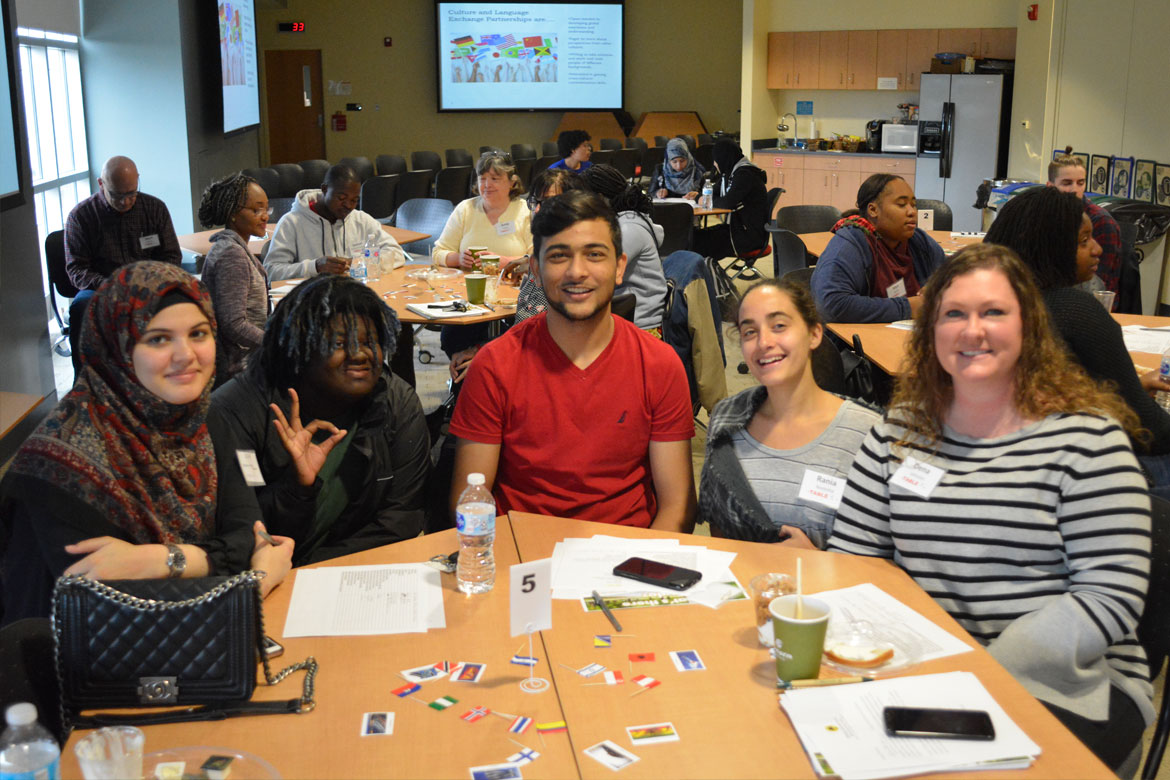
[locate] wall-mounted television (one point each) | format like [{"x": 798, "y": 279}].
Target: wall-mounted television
[
  {"x": 237, "y": 62},
  {"x": 11, "y": 134},
  {"x": 529, "y": 56}
]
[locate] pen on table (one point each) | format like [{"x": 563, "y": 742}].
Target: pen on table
[
  {"x": 488, "y": 306},
  {"x": 601, "y": 603},
  {"x": 822, "y": 682}
]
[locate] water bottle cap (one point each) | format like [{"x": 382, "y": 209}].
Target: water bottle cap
[
  {"x": 475, "y": 479},
  {"x": 21, "y": 714}
]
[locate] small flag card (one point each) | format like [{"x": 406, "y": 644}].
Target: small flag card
[
  {"x": 525, "y": 756},
  {"x": 520, "y": 725},
  {"x": 652, "y": 733},
  {"x": 601, "y": 640},
  {"x": 523, "y": 660},
  {"x": 406, "y": 690},
  {"x": 636, "y": 657},
  {"x": 590, "y": 670},
  {"x": 442, "y": 703},
  {"x": 613, "y": 677},
  {"x": 646, "y": 681},
  {"x": 552, "y": 727},
  {"x": 475, "y": 713}
]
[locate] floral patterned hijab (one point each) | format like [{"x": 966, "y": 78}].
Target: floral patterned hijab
[{"x": 146, "y": 464}]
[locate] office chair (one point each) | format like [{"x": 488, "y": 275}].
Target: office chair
[
  {"x": 661, "y": 140},
  {"x": 425, "y": 161},
  {"x": 610, "y": 143},
  {"x": 549, "y": 149},
  {"x": 415, "y": 184},
  {"x": 390, "y": 164},
  {"x": 807, "y": 219},
  {"x": 379, "y": 194},
  {"x": 292, "y": 179},
  {"x": 602, "y": 157},
  {"x": 944, "y": 219},
  {"x": 315, "y": 171},
  {"x": 788, "y": 251},
  {"x": 705, "y": 138},
  {"x": 704, "y": 155},
  {"x": 626, "y": 161},
  {"x": 59, "y": 284},
  {"x": 540, "y": 165},
  {"x": 677, "y": 220},
  {"x": 523, "y": 152},
  {"x": 424, "y": 215},
  {"x": 453, "y": 183},
  {"x": 268, "y": 179},
  {"x": 361, "y": 166},
  {"x": 458, "y": 157}
]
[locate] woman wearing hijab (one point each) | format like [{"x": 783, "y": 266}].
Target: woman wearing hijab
[
  {"x": 120, "y": 481},
  {"x": 741, "y": 188},
  {"x": 681, "y": 176}
]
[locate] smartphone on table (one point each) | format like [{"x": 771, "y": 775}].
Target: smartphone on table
[
  {"x": 656, "y": 573},
  {"x": 947, "y": 724}
]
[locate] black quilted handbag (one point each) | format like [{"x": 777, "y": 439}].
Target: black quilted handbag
[{"x": 186, "y": 643}]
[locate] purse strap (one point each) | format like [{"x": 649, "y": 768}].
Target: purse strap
[{"x": 248, "y": 579}]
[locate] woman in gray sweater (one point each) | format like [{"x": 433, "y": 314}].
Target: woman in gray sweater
[{"x": 233, "y": 275}]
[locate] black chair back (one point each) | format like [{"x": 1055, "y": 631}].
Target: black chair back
[
  {"x": 705, "y": 155},
  {"x": 389, "y": 164},
  {"x": 292, "y": 179},
  {"x": 788, "y": 251},
  {"x": 523, "y": 152},
  {"x": 415, "y": 184},
  {"x": 420, "y": 161},
  {"x": 800, "y": 276},
  {"x": 280, "y": 207},
  {"x": 268, "y": 179},
  {"x": 626, "y": 161},
  {"x": 379, "y": 196},
  {"x": 624, "y": 305},
  {"x": 651, "y": 159},
  {"x": 1153, "y": 630},
  {"x": 602, "y": 157},
  {"x": 774, "y": 196},
  {"x": 634, "y": 142},
  {"x": 549, "y": 149},
  {"x": 690, "y": 141},
  {"x": 425, "y": 215},
  {"x": 539, "y": 166},
  {"x": 677, "y": 221},
  {"x": 611, "y": 143},
  {"x": 484, "y": 149},
  {"x": 944, "y": 219},
  {"x": 315, "y": 171},
  {"x": 361, "y": 166},
  {"x": 705, "y": 138},
  {"x": 458, "y": 157},
  {"x": 59, "y": 283},
  {"x": 661, "y": 140},
  {"x": 807, "y": 219},
  {"x": 454, "y": 183},
  {"x": 524, "y": 168}
]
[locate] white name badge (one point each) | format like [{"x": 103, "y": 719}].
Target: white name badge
[
  {"x": 821, "y": 488},
  {"x": 250, "y": 468},
  {"x": 917, "y": 477},
  {"x": 504, "y": 228},
  {"x": 897, "y": 289},
  {"x": 149, "y": 242}
]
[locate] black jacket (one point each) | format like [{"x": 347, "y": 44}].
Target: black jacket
[
  {"x": 745, "y": 193},
  {"x": 384, "y": 470}
]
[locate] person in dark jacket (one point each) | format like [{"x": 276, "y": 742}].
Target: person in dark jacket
[
  {"x": 742, "y": 188},
  {"x": 879, "y": 259},
  {"x": 352, "y": 478}
]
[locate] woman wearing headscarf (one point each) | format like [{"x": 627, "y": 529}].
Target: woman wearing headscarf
[
  {"x": 120, "y": 481},
  {"x": 741, "y": 188},
  {"x": 680, "y": 176}
]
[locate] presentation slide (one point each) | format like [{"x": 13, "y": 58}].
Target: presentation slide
[
  {"x": 9, "y": 165},
  {"x": 237, "y": 62},
  {"x": 512, "y": 56}
]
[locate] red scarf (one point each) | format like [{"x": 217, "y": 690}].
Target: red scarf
[{"x": 889, "y": 265}]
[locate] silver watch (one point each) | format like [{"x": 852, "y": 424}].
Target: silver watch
[{"x": 176, "y": 560}]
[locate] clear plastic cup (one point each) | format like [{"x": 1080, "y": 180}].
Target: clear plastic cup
[{"x": 111, "y": 753}]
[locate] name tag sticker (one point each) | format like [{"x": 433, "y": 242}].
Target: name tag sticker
[
  {"x": 250, "y": 468},
  {"x": 504, "y": 228},
  {"x": 917, "y": 477},
  {"x": 821, "y": 488},
  {"x": 897, "y": 289},
  {"x": 149, "y": 242}
]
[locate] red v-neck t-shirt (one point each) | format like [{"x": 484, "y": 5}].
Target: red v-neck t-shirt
[{"x": 575, "y": 443}]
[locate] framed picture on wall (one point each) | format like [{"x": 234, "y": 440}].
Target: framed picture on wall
[
  {"x": 1084, "y": 158},
  {"x": 1143, "y": 180},
  {"x": 1121, "y": 176},
  {"x": 1098, "y": 169},
  {"x": 1162, "y": 185}
]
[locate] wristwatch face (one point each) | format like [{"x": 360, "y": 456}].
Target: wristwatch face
[{"x": 176, "y": 560}]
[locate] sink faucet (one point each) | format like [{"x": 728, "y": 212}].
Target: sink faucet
[{"x": 783, "y": 126}]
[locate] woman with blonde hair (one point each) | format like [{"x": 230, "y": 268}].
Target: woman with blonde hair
[
  {"x": 1002, "y": 480},
  {"x": 497, "y": 217}
]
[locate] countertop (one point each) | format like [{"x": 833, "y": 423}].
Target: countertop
[{"x": 833, "y": 153}]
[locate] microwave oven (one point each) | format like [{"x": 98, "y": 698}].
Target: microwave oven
[{"x": 900, "y": 138}]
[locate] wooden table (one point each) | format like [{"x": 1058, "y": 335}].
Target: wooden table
[
  {"x": 200, "y": 243},
  {"x": 886, "y": 346},
  {"x": 727, "y": 717},
  {"x": 815, "y": 243}
]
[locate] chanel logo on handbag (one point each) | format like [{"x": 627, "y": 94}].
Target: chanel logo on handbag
[{"x": 158, "y": 690}]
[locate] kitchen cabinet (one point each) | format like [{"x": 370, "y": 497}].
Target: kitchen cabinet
[
  {"x": 834, "y": 59},
  {"x": 806, "y": 60},
  {"x": 832, "y": 181},
  {"x": 900, "y": 166},
  {"x": 786, "y": 171},
  {"x": 921, "y": 46},
  {"x": 862, "y": 72},
  {"x": 780, "y": 53},
  {"x": 965, "y": 40},
  {"x": 998, "y": 42},
  {"x": 891, "y": 57}
]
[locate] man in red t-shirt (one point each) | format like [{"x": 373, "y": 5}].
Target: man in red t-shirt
[{"x": 575, "y": 412}]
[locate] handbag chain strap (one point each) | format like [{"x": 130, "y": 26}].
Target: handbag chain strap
[{"x": 308, "y": 703}]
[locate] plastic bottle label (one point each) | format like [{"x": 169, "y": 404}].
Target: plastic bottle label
[
  {"x": 50, "y": 772},
  {"x": 475, "y": 519},
  {"x": 1164, "y": 369}
]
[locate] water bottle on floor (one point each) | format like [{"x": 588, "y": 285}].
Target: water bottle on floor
[
  {"x": 475, "y": 522},
  {"x": 1162, "y": 396},
  {"x": 27, "y": 750}
]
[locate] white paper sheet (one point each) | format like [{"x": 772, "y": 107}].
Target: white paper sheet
[
  {"x": 869, "y": 602},
  {"x": 842, "y": 728},
  {"x": 361, "y": 600},
  {"x": 1139, "y": 339}
]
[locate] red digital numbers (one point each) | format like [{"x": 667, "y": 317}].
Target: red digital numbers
[{"x": 298, "y": 26}]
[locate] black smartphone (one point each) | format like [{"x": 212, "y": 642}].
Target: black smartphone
[
  {"x": 272, "y": 648},
  {"x": 948, "y": 724},
  {"x": 655, "y": 573}
]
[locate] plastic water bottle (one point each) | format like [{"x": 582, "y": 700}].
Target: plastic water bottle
[
  {"x": 373, "y": 258},
  {"x": 27, "y": 750},
  {"x": 708, "y": 194},
  {"x": 1163, "y": 397},
  {"x": 475, "y": 522},
  {"x": 357, "y": 268}
]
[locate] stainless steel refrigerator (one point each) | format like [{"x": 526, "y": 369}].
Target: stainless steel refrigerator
[{"x": 963, "y": 127}]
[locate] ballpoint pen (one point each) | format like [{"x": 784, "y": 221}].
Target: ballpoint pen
[
  {"x": 601, "y": 603},
  {"x": 820, "y": 682}
]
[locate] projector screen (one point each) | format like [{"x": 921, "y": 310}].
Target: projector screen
[
  {"x": 237, "y": 62},
  {"x": 529, "y": 56}
]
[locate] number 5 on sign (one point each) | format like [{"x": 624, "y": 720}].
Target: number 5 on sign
[{"x": 531, "y": 596}]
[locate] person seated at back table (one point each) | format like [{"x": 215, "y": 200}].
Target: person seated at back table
[
  {"x": 680, "y": 175},
  {"x": 574, "y": 148},
  {"x": 1067, "y": 174},
  {"x": 352, "y": 478},
  {"x": 1026, "y": 516},
  {"x": 1051, "y": 232},
  {"x": 742, "y": 188},
  {"x": 878, "y": 260},
  {"x": 576, "y": 412},
  {"x": 778, "y": 453},
  {"x": 325, "y": 229}
]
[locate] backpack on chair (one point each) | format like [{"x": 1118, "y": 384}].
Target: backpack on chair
[{"x": 725, "y": 291}]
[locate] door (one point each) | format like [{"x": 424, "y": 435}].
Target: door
[{"x": 296, "y": 118}]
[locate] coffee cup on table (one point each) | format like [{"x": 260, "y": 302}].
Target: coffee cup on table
[
  {"x": 798, "y": 625},
  {"x": 476, "y": 252},
  {"x": 476, "y": 284}
]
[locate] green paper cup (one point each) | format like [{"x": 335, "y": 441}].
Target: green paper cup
[
  {"x": 476, "y": 283},
  {"x": 799, "y": 641}
]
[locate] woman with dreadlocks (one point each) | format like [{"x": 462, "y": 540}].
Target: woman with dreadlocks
[
  {"x": 641, "y": 238},
  {"x": 352, "y": 478},
  {"x": 233, "y": 275}
]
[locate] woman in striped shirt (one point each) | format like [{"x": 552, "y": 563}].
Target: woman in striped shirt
[{"x": 1003, "y": 482}]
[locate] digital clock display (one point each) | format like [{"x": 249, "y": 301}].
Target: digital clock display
[{"x": 290, "y": 26}]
